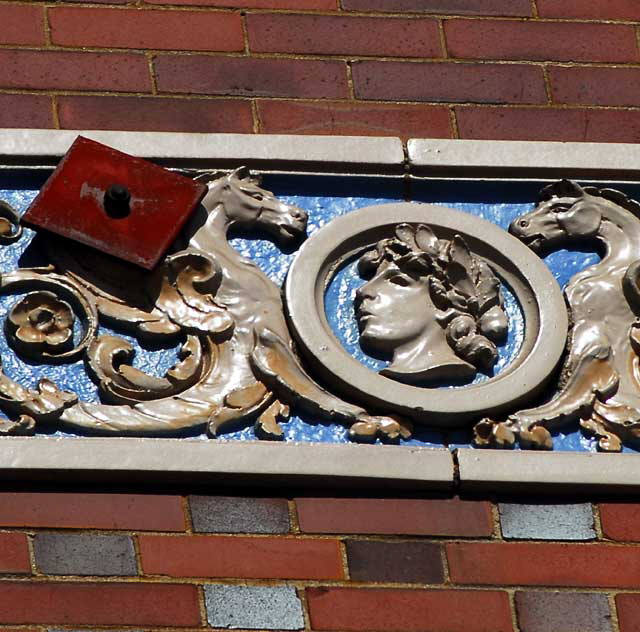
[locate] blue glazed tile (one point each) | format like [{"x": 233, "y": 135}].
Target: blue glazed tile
[{"x": 324, "y": 198}]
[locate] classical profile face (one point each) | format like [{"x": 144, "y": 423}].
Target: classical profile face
[
  {"x": 431, "y": 305},
  {"x": 393, "y": 308}
]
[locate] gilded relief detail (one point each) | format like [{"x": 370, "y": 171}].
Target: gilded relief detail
[
  {"x": 600, "y": 380},
  {"x": 430, "y": 300}
]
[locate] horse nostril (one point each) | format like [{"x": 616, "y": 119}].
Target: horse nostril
[{"x": 523, "y": 223}]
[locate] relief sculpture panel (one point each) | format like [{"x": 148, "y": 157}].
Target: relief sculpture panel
[{"x": 434, "y": 302}]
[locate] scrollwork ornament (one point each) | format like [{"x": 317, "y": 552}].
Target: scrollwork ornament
[
  {"x": 599, "y": 385},
  {"x": 45, "y": 317},
  {"x": 10, "y": 227},
  {"x": 239, "y": 361}
]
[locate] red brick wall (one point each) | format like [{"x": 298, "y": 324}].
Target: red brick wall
[
  {"x": 367, "y": 564},
  {"x": 500, "y": 69}
]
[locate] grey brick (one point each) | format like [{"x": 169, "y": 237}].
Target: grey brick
[
  {"x": 253, "y": 607},
  {"x": 563, "y": 612},
  {"x": 229, "y": 514},
  {"x": 58, "y": 554},
  {"x": 547, "y": 522}
]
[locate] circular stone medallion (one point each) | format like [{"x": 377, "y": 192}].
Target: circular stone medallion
[{"x": 540, "y": 298}]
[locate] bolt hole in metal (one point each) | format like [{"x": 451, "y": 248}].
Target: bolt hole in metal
[{"x": 117, "y": 201}]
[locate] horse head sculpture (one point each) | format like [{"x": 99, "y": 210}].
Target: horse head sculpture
[{"x": 248, "y": 206}]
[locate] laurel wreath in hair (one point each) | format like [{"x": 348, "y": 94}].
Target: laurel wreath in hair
[{"x": 459, "y": 282}]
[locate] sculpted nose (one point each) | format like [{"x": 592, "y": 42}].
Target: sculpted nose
[{"x": 363, "y": 292}]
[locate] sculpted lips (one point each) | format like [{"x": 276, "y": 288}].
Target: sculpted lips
[{"x": 363, "y": 315}]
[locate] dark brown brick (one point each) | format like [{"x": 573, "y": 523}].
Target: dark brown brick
[
  {"x": 458, "y": 7},
  {"x": 338, "y": 35},
  {"x": 132, "y": 28},
  {"x": 99, "y": 604},
  {"x": 57, "y": 70},
  {"x": 395, "y": 516},
  {"x": 354, "y": 119},
  {"x": 307, "y": 5},
  {"x": 504, "y": 123},
  {"x": 255, "y": 558},
  {"x": 14, "y": 553},
  {"x": 628, "y": 607},
  {"x": 593, "y": 9},
  {"x": 559, "y": 41},
  {"x": 542, "y": 611},
  {"x": 25, "y": 110},
  {"x": 480, "y": 83},
  {"x": 21, "y": 24},
  {"x": 382, "y": 610},
  {"x": 243, "y": 76},
  {"x": 140, "y": 512},
  {"x": 595, "y": 86},
  {"x": 375, "y": 561},
  {"x": 548, "y": 564},
  {"x": 155, "y": 114},
  {"x": 621, "y": 521}
]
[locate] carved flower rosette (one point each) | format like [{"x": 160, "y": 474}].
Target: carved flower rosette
[{"x": 40, "y": 325}]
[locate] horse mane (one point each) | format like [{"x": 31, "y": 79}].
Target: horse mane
[{"x": 569, "y": 188}]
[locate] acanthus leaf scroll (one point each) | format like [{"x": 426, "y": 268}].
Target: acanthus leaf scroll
[{"x": 238, "y": 362}]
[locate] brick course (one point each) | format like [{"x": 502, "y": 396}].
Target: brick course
[
  {"x": 154, "y": 114},
  {"x": 566, "y": 124},
  {"x": 329, "y": 34},
  {"x": 460, "y": 7},
  {"x": 383, "y": 582},
  {"x": 14, "y": 553},
  {"x": 131, "y": 28},
  {"x": 410, "y": 517},
  {"x": 219, "y": 556},
  {"x": 99, "y": 604},
  {"x": 26, "y": 110},
  {"x": 357, "y": 119},
  {"x": 478, "y": 83},
  {"x": 326, "y": 67},
  {"x": 408, "y": 610},
  {"x": 548, "y": 564},
  {"x": 57, "y": 70},
  {"x": 244, "y": 76},
  {"x": 562, "y": 41},
  {"x": 21, "y": 24},
  {"x": 143, "y": 512}
]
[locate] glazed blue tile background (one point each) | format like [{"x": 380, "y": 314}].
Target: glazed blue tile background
[{"x": 323, "y": 198}]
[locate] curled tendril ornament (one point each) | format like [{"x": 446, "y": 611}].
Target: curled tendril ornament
[
  {"x": 10, "y": 228},
  {"x": 40, "y": 325}
]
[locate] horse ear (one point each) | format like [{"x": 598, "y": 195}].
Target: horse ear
[
  {"x": 562, "y": 188},
  {"x": 241, "y": 173},
  {"x": 209, "y": 176}
]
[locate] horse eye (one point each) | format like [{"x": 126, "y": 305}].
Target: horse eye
[
  {"x": 258, "y": 196},
  {"x": 559, "y": 208}
]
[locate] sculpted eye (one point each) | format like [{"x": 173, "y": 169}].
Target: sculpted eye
[
  {"x": 400, "y": 279},
  {"x": 559, "y": 208}
]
